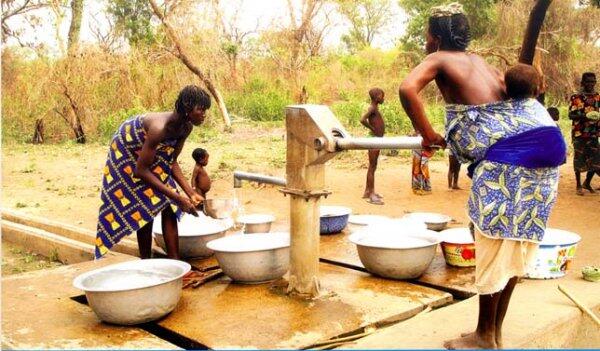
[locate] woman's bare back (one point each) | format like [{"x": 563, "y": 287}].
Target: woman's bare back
[{"x": 467, "y": 79}]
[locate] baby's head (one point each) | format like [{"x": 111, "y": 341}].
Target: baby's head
[
  {"x": 553, "y": 112},
  {"x": 200, "y": 156},
  {"x": 522, "y": 81},
  {"x": 377, "y": 95}
]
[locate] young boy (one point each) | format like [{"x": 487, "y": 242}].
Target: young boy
[
  {"x": 373, "y": 120},
  {"x": 514, "y": 147},
  {"x": 453, "y": 171},
  {"x": 421, "y": 184},
  {"x": 200, "y": 179},
  {"x": 554, "y": 113}
]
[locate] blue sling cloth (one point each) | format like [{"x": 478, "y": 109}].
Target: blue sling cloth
[{"x": 515, "y": 149}]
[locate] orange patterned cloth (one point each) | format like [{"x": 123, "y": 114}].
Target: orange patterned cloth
[{"x": 128, "y": 203}]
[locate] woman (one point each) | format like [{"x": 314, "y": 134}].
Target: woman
[
  {"x": 515, "y": 175},
  {"x": 141, "y": 174}
]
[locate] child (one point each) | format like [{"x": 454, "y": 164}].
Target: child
[
  {"x": 554, "y": 113},
  {"x": 453, "y": 171},
  {"x": 373, "y": 120},
  {"x": 421, "y": 185},
  {"x": 200, "y": 179}
]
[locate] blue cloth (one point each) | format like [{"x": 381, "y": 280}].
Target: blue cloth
[
  {"x": 508, "y": 200},
  {"x": 536, "y": 148}
]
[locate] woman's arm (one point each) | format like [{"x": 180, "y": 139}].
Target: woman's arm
[
  {"x": 409, "y": 90},
  {"x": 142, "y": 171}
]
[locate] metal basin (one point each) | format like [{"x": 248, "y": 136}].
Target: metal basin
[
  {"x": 219, "y": 208},
  {"x": 333, "y": 219},
  {"x": 253, "y": 258},
  {"x": 434, "y": 221},
  {"x": 256, "y": 223},
  {"x": 133, "y": 292},
  {"x": 396, "y": 256},
  {"x": 194, "y": 234}
]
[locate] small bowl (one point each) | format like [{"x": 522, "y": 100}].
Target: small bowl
[
  {"x": 333, "y": 218},
  {"x": 219, "y": 208},
  {"x": 256, "y": 223},
  {"x": 253, "y": 259},
  {"x": 458, "y": 247},
  {"x": 434, "y": 221}
]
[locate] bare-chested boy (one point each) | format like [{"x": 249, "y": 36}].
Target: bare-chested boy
[
  {"x": 373, "y": 120},
  {"x": 200, "y": 179}
]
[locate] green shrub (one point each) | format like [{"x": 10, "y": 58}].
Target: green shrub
[
  {"x": 259, "y": 102},
  {"x": 108, "y": 125}
]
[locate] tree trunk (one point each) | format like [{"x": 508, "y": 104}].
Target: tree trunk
[
  {"x": 74, "y": 29},
  {"x": 184, "y": 58},
  {"x": 536, "y": 19},
  {"x": 38, "y": 134}
]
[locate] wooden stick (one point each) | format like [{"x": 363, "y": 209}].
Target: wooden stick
[{"x": 585, "y": 309}]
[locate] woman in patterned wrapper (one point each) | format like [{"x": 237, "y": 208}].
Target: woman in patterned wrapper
[
  {"x": 514, "y": 149},
  {"x": 142, "y": 173}
]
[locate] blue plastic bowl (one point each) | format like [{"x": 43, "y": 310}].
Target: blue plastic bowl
[{"x": 334, "y": 219}]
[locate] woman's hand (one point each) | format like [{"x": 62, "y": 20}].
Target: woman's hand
[
  {"x": 433, "y": 141},
  {"x": 186, "y": 205},
  {"x": 197, "y": 199}
]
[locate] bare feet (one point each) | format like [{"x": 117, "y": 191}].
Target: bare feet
[
  {"x": 579, "y": 191},
  {"x": 588, "y": 187},
  {"x": 366, "y": 195},
  {"x": 471, "y": 341},
  {"x": 498, "y": 337},
  {"x": 456, "y": 187},
  {"x": 375, "y": 200},
  {"x": 379, "y": 196}
]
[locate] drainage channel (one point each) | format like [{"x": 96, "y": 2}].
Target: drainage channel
[
  {"x": 457, "y": 295},
  {"x": 159, "y": 331}
]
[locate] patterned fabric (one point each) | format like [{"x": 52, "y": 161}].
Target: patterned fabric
[
  {"x": 586, "y": 154},
  {"x": 582, "y": 107},
  {"x": 506, "y": 201},
  {"x": 421, "y": 183},
  {"x": 128, "y": 203}
]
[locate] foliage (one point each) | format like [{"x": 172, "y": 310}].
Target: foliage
[
  {"x": 367, "y": 18},
  {"x": 133, "y": 19}
]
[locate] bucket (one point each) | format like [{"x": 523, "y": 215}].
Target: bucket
[
  {"x": 555, "y": 254},
  {"x": 458, "y": 247}
]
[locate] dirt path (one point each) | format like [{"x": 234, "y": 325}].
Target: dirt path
[{"x": 62, "y": 183}]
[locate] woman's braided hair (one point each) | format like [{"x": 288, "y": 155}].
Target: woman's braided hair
[
  {"x": 450, "y": 24},
  {"x": 190, "y": 97}
]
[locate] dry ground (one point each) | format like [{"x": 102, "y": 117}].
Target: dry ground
[{"x": 62, "y": 182}]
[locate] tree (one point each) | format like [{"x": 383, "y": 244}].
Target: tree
[
  {"x": 367, "y": 18},
  {"x": 75, "y": 27},
  {"x": 25, "y": 9},
  {"x": 479, "y": 12},
  {"x": 183, "y": 56},
  {"x": 133, "y": 20},
  {"x": 234, "y": 40}
]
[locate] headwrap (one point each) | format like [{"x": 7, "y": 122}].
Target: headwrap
[{"x": 454, "y": 8}]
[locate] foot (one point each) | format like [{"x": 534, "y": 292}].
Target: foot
[
  {"x": 456, "y": 187},
  {"x": 498, "y": 337},
  {"x": 579, "y": 191},
  {"x": 373, "y": 199},
  {"x": 471, "y": 341},
  {"x": 588, "y": 187},
  {"x": 379, "y": 196},
  {"x": 366, "y": 195}
]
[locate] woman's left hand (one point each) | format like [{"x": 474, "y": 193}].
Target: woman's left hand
[{"x": 196, "y": 198}]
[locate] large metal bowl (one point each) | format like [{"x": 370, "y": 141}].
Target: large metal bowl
[
  {"x": 219, "y": 208},
  {"x": 434, "y": 221},
  {"x": 256, "y": 223},
  {"x": 405, "y": 256},
  {"x": 194, "y": 234},
  {"x": 133, "y": 292},
  {"x": 255, "y": 258}
]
